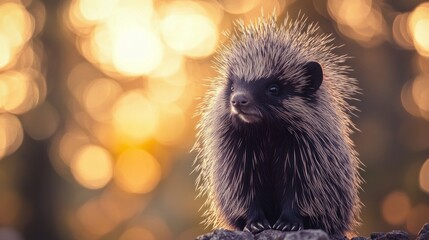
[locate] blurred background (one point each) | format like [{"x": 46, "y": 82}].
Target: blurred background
[{"x": 97, "y": 103}]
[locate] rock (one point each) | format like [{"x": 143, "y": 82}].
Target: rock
[
  {"x": 424, "y": 233},
  {"x": 308, "y": 234},
  {"x": 223, "y": 234},
  {"x": 265, "y": 235},
  {"x": 299, "y": 235},
  {"x": 393, "y": 235}
]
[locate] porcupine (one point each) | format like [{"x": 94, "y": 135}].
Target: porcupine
[{"x": 273, "y": 143}]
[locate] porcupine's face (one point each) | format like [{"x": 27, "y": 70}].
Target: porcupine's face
[{"x": 266, "y": 99}]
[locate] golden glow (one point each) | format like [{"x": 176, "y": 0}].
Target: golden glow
[
  {"x": 136, "y": 50},
  {"x": 238, "y": 6},
  {"x": 166, "y": 90},
  {"x": 123, "y": 39},
  {"x": 92, "y": 166},
  {"x": 417, "y": 218},
  {"x": 6, "y": 56},
  {"x": 401, "y": 34},
  {"x": 18, "y": 93},
  {"x": 93, "y": 219},
  {"x": 271, "y": 6},
  {"x": 415, "y": 96},
  {"x": 420, "y": 91},
  {"x": 171, "y": 63},
  {"x": 96, "y": 10},
  {"x": 407, "y": 100},
  {"x": 70, "y": 142},
  {"x": 11, "y": 134},
  {"x": 212, "y": 8},
  {"x": 396, "y": 207},
  {"x": 16, "y": 28},
  {"x": 171, "y": 125},
  {"x": 421, "y": 36},
  {"x": 350, "y": 12},
  {"x": 99, "y": 97},
  {"x": 137, "y": 233},
  {"x": 178, "y": 28},
  {"x": 119, "y": 205},
  {"x": 134, "y": 117},
  {"x": 424, "y": 177},
  {"x": 80, "y": 77},
  {"x": 99, "y": 46},
  {"x": 359, "y": 20},
  {"x": 127, "y": 45},
  {"x": 137, "y": 171},
  {"x": 418, "y": 24}
]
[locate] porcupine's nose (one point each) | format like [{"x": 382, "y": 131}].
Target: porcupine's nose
[{"x": 239, "y": 100}]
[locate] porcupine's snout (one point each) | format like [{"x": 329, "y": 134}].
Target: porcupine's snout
[
  {"x": 240, "y": 100},
  {"x": 242, "y": 105}
]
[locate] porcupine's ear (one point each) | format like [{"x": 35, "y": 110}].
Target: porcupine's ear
[{"x": 315, "y": 76}]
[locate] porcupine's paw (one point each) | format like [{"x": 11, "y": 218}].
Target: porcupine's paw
[
  {"x": 256, "y": 221},
  {"x": 288, "y": 226},
  {"x": 256, "y": 227},
  {"x": 286, "y": 223}
]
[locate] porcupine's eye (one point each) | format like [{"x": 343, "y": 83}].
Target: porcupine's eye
[
  {"x": 274, "y": 89},
  {"x": 232, "y": 88}
]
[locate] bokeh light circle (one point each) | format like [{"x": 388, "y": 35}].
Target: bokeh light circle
[
  {"x": 396, "y": 207},
  {"x": 92, "y": 166},
  {"x": 135, "y": 233},
  {"x": 424, "y": 177},
  {"x": 11, "y": 134},
  {"x": 188, "y": 30},
  {"x": 134, "y": 117},
  {"x": 137, "y": 171}
]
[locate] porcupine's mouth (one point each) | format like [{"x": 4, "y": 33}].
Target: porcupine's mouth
[{"x": 248, "y": 116}]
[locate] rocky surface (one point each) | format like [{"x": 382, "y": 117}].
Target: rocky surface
[
  {"x": 424, "y": 233},
  {"x": 222, "y": 234},
  {"x": 265, "y": 235}
]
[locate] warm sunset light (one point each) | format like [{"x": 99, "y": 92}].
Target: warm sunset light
[
  {"x": 99, "y": 97},
  {"x": 69, "y": 143},
  {"x": 396, "y": 207},
  {"x": 400, "y": 31},
  {"x": 92, "y": 166},
  {"x": 99, "y": 103},
  {"x": 179, "y": 28},
  {"x": 96, "y": 10},
  {"x": 171, "y": 63},
  {"x": 418, "y": 24},
  {"x": 137, "y": 171},
  {"x": 420, "y": 93},
  {"x": 123, "y": 38},
  {"x": 174, "y": 130},
  {"x": 166, "y": 90},
  {"x": 92, "y": 221},
  {"x": 417, "y": 217},
  {"x": 18, "y": 92},
  {"x": 11, "y": 134},
  {"x": 424, "y": 177},
  {"x": 136, "y": 50},
  {"x": 134, "y": 117},
  {"x": 359, "y": 20},
  {"x": 239, "y": 6},
  {"x": 421, "y": 36},
  {"x": 137, "y": 233},
  {"x": 16, "y": 28}
]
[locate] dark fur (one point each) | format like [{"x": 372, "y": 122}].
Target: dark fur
[{"x": 291, "y": 168}]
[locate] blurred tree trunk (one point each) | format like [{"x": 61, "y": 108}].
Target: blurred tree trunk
[{"x": 41, "y": 183}]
